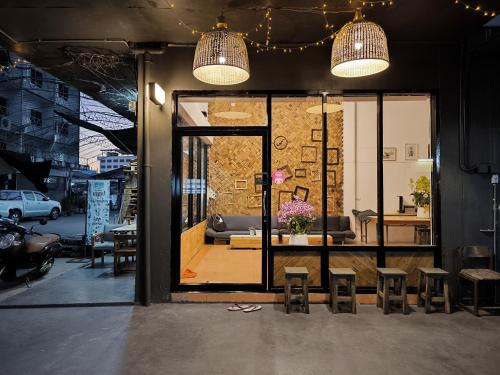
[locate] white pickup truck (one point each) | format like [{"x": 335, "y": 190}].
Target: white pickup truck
[{"x": 16, "y": 204}]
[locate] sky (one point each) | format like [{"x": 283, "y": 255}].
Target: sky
[{"x": 93, "y": 144}]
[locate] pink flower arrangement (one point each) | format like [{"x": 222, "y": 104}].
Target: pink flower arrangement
[{"x": 297, "y": 215}]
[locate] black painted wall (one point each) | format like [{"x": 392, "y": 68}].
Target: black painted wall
[{"x": 465, "y": 198}]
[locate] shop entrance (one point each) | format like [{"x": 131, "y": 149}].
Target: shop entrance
[{"x": 364, "y": 164}]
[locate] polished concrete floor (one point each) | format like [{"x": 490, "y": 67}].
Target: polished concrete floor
[{"x": 207, "y": 339}]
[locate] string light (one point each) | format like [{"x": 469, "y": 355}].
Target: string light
[
  {"x": 477, "y": 8},
  {"x": 265, "y": 24}
]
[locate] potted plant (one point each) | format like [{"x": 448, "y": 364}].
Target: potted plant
[
  {"x": 421, "y": 192},
  {"x": 299, "y": 217}
]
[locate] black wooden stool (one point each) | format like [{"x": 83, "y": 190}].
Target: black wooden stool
[
  {"x": 384, "y": 296},
  {"x": 337, "y": 274},
  {"x": 424, "y": 298},
  {"x": 296, "y": 273}
]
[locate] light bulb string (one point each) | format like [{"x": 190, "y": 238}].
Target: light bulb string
[
  {"x": 266, "y": 23},
  {"x": 476, "y": 8}
]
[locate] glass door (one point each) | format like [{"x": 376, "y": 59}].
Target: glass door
[{"x": 220, "y": 191}]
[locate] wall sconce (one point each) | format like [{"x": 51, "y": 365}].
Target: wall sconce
[{"x": 156, "y": 93}]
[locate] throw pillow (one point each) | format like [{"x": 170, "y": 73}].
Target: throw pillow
[{"x": 219, "y": 224}]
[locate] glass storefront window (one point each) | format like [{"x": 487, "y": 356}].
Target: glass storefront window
[
  {"x": 407, "y": 170},
  {"x": 222, "y": 111},
  {"x": 297, "y": 154},
  {"x": 351, "y": 169}
]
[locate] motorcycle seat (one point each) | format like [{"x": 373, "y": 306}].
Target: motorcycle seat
[{"x": 37, "y": 243}]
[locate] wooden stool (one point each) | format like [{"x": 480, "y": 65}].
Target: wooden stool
[
  {"x": 336, "y": 274},
  {"x": 296, "y": 273},
  {"x": 424, "y": 298},
  {"x": 384, "y": 297}
]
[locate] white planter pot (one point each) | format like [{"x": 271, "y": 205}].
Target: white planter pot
[
  {"x": 298, "y": 240},
  {"x": 423, "y": 212}
]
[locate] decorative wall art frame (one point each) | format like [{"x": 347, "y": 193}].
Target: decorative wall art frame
[
  {"x": 288, "y": 171},
  {"x": 315, "y": 174},
  {"x": 390, "y": 153},
  {"x": 301, "y": 193},
  {"x": 280, "y": 142},
  {"x": 284, "y": 196},
  {"x": 331, "y": 179},
  {"x": 411, "y": 151},
  {"x": 309, "y": 154},
  {"x": 316, "y": 135},
  {"x": 227, "y": 198},
  {"x": 300, "y": 173},
  {"x": 254, "y": 201},
  {"x": 240, "y": 185},
  {"x": 258, "y": 180},
  {"x": 332, "y": 156}
]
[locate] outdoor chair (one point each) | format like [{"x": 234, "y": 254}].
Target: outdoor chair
[
  {"x": 103, "y": 242},
  {"x": 477, "y": 267}
]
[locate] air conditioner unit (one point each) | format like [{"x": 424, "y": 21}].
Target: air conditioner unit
[{"x": 5, "y": 124}]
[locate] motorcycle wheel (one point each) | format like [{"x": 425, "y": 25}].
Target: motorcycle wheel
[{"x": 45, "y": 267}]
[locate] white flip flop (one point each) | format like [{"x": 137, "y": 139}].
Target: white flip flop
[
  {"x": 252, "y": 308},
  {"x": 237, "y": 307}
]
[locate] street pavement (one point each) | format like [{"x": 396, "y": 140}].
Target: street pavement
[{"x": 64, "y": 225}]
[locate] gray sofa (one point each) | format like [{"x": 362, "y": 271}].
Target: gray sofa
[{"x": 338, "y": 227}]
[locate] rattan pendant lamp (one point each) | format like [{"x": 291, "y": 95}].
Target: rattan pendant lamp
[
  {"x": 221, "y": 57},
  {"x": 359, "y": 49}
]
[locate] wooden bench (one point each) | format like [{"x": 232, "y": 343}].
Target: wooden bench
[
  {"x": 125, "y": 246},
  {"x": 479, "y": 276},
  {"x": 337, "y": 274},
  {"x": 439, "y": 277},
  {"x": 384, "y": 296},
  {"x": 302, "y": 274}
]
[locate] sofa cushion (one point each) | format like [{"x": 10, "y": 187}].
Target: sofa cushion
[
  {"x": 344, "y": 223},
  {"x": 239, "y": 222},
  {"x": 108, "y": 235},
  {"x": 218, "y": 223}
]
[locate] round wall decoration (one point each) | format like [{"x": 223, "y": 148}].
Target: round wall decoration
[{"x": 280, "y": 142}]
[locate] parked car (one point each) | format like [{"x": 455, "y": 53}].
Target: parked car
[{"x": 16, "y": 204}]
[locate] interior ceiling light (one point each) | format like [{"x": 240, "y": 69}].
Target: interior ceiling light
[
  {"x": 359, "y": 49},
  {"x": 329, "y": 108},
  {"x": 234, "y": 115},
  {"x": 221, "y": 57}
]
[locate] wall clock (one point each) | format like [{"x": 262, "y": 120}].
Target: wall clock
[{"x": 280, "y": 142}]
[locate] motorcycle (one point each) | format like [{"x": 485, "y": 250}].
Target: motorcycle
[{"x": 25, "y": 254}]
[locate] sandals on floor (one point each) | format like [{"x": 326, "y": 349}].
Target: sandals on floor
[
  {"x": 237, "y": 307},
  {"x": 253, "y": 308},
  {"x": 244, "y": 308}
]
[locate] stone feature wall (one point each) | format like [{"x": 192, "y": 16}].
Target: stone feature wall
[{"x": 232, "y": 158}]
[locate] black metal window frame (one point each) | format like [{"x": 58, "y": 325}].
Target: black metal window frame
[
  {"x": 36, "y": 77},
  {"x": 380, "y": 249}
]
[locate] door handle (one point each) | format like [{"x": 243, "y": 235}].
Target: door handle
[{"x": 264, "y": 206}]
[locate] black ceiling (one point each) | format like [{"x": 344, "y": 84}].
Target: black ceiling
[{"x": 60, "y": 35}]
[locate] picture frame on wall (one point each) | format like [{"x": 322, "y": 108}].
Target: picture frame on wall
[
  {"x": 309, "y": 154},
  {"x": 227, "y": 198},
  {"x": 390, "y": 154},
  {"x": 254, "y": 201},
  {"x": 288, "y": 171},
  {"x": 258, "y": 180},
  {"x": 331, "y": 178},
  {"x": 316, "y": 135},
  {"x": 411, "y": 151},
  {"x": 332, "y": 156},
  {"x": 300, "y": 173},
  {"x": 301, "y": 193},
  {"x": 284, "y": 196},
  {"x": 240, "y": 185},
  {"x": 315, "y": 174}
]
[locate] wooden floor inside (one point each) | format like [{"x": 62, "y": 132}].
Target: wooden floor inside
[{"x": 221, "y": 264}]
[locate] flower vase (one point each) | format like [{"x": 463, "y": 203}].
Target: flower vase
[
  {"x": 298, "y": 240},
  {"x": 423, "y": 212}
]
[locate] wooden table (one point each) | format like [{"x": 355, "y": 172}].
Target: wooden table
[
  {"x": 129, "y": 228},
  {"x": 246, "y": 241},
  {"x": 400, "y": 220}
]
